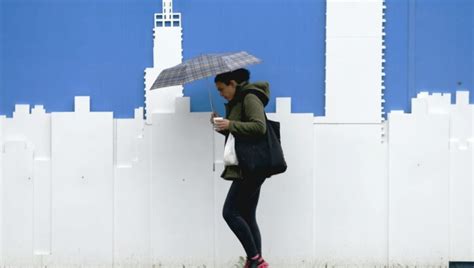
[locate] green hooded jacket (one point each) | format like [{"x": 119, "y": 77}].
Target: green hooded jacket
[{"x": 255, "y": 124}]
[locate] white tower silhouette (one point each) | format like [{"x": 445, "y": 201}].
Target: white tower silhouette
[
  {"x": 354, "y": 61},
  {"x": 167, "y": 52}
]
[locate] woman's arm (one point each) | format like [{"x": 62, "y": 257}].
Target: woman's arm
[{"x": 255, "y": 113}]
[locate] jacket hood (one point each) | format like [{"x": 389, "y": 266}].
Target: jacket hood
[{"x": 260, "y": 88}]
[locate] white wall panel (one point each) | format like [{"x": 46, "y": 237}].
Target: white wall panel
[
  {"x": 2, "y": 120},
  {"x": 42, "y": 207},
  {"x": 129, "y": 134},
  {"x": 419, "y": 188},
  {"x": 182, "y": 188},
  {"x": 461, "y": 205},
  {"x": 350, "y": 195},
  {"x": 17, "y": 199},
  {"x": 132, "y": 192},
  {"x": 2, "y": 127},
  {"x": 461, "y": 177},
  {"x": 82, "y": 187},
  {"x": 34, "y": 129}
]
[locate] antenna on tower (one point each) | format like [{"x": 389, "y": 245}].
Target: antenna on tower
[
  {"x": 167, "y": 8},
  {"x": 167, "y": 18}
]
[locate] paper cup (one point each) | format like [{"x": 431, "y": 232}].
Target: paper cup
[{"x": 215, "y": 119}]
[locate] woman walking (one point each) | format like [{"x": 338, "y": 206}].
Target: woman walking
[{"x": 240, "y": 206}]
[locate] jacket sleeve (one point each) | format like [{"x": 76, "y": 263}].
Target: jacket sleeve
[{"x": 256, "y": 125}]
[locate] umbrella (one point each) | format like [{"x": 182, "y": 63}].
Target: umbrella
[{"x": 203, "y": 66}]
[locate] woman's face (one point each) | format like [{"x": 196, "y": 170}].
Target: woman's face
[{"x": 227, "y": 91}]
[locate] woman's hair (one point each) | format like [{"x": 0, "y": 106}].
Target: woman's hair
[{"x": 239, "y": 75}]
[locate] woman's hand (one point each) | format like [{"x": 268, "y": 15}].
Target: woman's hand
[{"x": 222, "y": 124}]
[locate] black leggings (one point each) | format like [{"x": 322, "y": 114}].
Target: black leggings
[{"x": 240, "y": 213}]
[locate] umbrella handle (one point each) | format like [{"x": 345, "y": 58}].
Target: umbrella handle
[
  {"x": 210, "y": 99},
  {"x": 213, "y": 150},
  {"x": 213, "y": 132}
]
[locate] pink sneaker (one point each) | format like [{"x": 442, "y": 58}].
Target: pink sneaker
[{"x": 258, "y": 263}]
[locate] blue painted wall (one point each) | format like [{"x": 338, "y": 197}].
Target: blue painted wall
[
  {"x": 53, "y": 50},
  {"x": 429, "y": 48}
]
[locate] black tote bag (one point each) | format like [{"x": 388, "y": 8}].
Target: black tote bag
[{"x": 261, "y": 156}]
